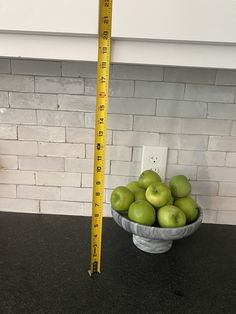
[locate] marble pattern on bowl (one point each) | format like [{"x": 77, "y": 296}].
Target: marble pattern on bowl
[{"x": 154, "y": 239}]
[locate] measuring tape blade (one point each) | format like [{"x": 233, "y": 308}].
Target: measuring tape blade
[{"x": 103, "y": 66}]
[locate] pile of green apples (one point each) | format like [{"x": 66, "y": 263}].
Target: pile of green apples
[{"x": 148, "y": 201}]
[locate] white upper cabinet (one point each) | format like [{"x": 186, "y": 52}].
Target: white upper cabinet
[
  {"x": 182, "y": 20},
  {"x": 199, "y": 33},
  {"x": 49, "y": 16}
]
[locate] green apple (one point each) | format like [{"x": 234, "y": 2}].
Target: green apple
[
  {"x": 139, "y": 194},
  {"x": 133, "y": 186},
  {"x": 158, "y": 194},
  {"x": 189, "y": 207},
  {"x": 180, "y": 186},
  {"x": 142, "y": 212},
  {"x": 171, "y": 201},
  {"x": 170, "y": 216},
  {"x": 148, "y": 177},
  {"x": 121, "y": 198}
]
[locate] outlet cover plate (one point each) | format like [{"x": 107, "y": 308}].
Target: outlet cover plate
[{"x": 155, "y": 158}]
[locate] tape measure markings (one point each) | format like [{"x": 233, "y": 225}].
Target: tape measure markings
[{"x": 103, "y": 66}]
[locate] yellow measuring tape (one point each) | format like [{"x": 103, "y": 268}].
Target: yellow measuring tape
[{"x": 103, "y": 66}]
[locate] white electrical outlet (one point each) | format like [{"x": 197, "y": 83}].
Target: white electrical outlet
[{"x": 155, "y": 158}]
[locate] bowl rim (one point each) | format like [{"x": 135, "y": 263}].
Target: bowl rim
[{"x": 195, "y": 223}]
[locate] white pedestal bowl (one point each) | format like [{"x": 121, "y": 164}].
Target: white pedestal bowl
[{"x": 153, "y": 239}]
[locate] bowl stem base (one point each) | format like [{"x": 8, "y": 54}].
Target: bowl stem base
[{"x": 152, "y": 246}]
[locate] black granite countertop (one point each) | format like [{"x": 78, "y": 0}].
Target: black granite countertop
[{"x": 44, "y": 262}]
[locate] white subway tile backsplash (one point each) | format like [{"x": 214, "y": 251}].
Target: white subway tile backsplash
[
  {"x": 206, "y": 126},
  {"x": 204, "y": 187},
  {"x": 8, "y": 162},
  {"x": 4, "y": 100},
  {"x": 41, "y": 133},
  {"x": 8, "y": 132},
  {"x": 190, "y": 75},
  {"x": 233, "y": 130},
  {"x": 112, "y": 181},
  {"x": 87, "y": 180},
  {"x": 59, "y": 85},
  {"x": 137, "y": 72},
  {"x": 161, "y": 90},
  {"x": 80, "y": 135},
  {"x": 17, "y": 177},
  {"x": 157, "y": 124},
  {"x": 87, "y": 210},
  {"x": 226, "y": 217},
  {"x": 16, "y": 116},
  {"x": 189, "y": 171},
  {"x": 12, "y": 147},
  {"x": 7, "y": 191},
  {"x": 210, "y": 93},
  {"x": 61, "y": 208},
  {"x": 217, "y": 202},
  {"x": 116, "y": 152},
  {"x": 5, "y": 66},
  {"x": 108, "y": 195},
  {"x": 107, "y": 210},
  {"x": 41, "y": 163},
  {"x": 222, "y": 143},
  {"x": 181, "y": 108},
  {"x": 131, "y": 138},
  {"x": 79, "y": 69},
  {"x": 33, "y": 101},
  {"x": 142, "y": 106},
  {"x": 19, "y": 205},
  {"x": 125, "y": 168},
  {"x": 47, "y": 133},
  {"x": 190, "y": 142},
  {"x": 201, "y": 158},
  {"x": 227, "y": 189},
  {"x": 226, "y": 77},
  {"x": 217, "y": 173},
  {"x": 137, "y": 154},
  {"x": 60, "y": 118},
  {"x": 231, "y": 160},
  {"x": 38, "y": 192},
  {"x": 36, "y": 67},
  {"x": 209, "y": 216},
  {"x": 76, "y": 194},
  {"x": 58, "y": 178},
  {"x": 221, "y": 111},
  {"x": 172, "y": 156},
  {"x": 62, "y": 150},
  {"x": 77, "y": 103},
  {"x": 16, "y": 83}
]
